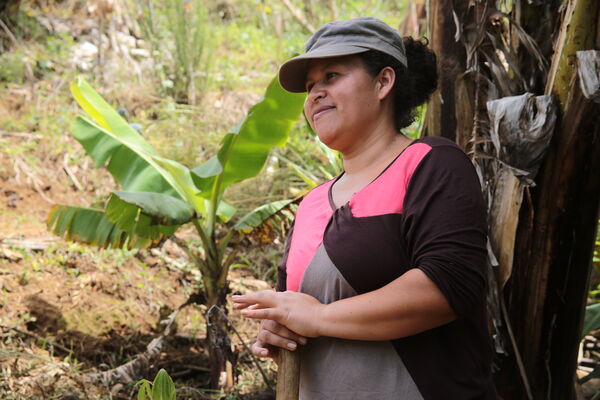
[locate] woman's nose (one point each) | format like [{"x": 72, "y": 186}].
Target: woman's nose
[{"x": 316, "y": 93}]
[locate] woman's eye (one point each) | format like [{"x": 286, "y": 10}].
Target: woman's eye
[
  {"x": 331, "y": 75},
  {"x": 308, "y": 87}
]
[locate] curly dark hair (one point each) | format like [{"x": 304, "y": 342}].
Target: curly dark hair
[{"x": 414, "y": 84}]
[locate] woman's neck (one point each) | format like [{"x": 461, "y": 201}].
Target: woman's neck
[{"x": 375, "y": 152}]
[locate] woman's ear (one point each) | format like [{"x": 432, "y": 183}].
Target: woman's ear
[{"x": 385, "y": 82}]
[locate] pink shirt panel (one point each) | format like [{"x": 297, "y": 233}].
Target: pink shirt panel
[
  {"x": 385, "y": 195},
  {"x": 312, "y": 217}
]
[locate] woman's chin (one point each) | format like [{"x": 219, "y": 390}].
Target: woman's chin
[{"x": 327, "y": 139}]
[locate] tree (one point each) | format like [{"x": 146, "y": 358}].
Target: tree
[
  {"x": 544, "y": 196},
  {"x": 160, "y": 195}
]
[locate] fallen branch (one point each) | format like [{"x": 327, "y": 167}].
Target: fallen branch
[
  {"x": 10, "y": 255},
  {"x": 26, "y": 135},
  {"x": 71, "y": 175},
  {"x": 36, "y": 381},
  {"x": 135, "y": 369},
  {"x": 33, "y": 245},
  {"x": 36, "y": 337},
  {"x": 21, "y": 166}
]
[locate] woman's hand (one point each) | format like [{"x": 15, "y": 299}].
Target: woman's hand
[
  {"x": 410, "y": 304},
  {"x": 298, "y": 312},
  {"x": 273, "y": 335}
]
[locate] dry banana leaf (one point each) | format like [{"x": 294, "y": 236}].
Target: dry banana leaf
[
  {"x": 588, "y": 68},
  {"x": 520, "y": 130}
]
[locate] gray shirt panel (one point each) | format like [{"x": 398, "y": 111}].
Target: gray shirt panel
[{"x": 348, "y": 369}]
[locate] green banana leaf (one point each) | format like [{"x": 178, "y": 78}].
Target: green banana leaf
[
  {"x": 104, "y": 114},
  {"x": 111, "y": 142},
  {"x": 149, "y": 215},
  {"x": 163, "y": 387},
  {"x": 259, "y": 215},
  {"x": 91, "y": 226},
  {"x": 244, "y": 151},
  {"x": 159, "y": 194},
  {"x": 225, "y": 211}
]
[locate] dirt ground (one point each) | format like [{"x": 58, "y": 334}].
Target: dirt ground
[{"x": 67, "y": 311}]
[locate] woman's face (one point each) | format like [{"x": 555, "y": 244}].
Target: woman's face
[{"x": 343, "y": 102}]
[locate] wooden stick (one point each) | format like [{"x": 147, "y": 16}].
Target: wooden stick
[{"x": 288, "y": 375}]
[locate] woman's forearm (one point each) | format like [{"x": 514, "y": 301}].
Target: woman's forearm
[{"x": 408, "y": 305}]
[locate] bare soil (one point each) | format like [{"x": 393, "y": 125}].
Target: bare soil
[{"x": 68, "y": 310}]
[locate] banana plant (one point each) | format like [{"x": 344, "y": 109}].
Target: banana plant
[
  {"x": 158, "y": 196},
  {"x": 162, "y": 388}
]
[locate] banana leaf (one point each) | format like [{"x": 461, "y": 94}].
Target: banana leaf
[
  {"x": 111, "y": 142},
  {"x": 105, "y": 115},
  {"x": 91, "y": 226},
  {"x": 225, "y": 211},
  {"x": 244, "y": 151},
  {"x": 163, "y": 387},
  {"x": 165, "y": 209},
  {"x": 259, "y": 215}
]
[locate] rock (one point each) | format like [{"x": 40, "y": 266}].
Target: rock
[
  {"x": 12, "y": 198},
  {"x": 10, "y": 255},
  {"x": 83, "y": 54}
]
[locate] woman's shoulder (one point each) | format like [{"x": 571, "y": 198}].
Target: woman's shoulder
[
  {"x": 439, "y": 151},
  {"x": 424, "y": 153},
  {"x": 437, "y": 142}
]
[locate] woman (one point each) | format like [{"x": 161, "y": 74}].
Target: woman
[{"x": 382, "y": 280}]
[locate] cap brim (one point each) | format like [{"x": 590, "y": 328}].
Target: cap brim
[{"x": 292, "y": 74}]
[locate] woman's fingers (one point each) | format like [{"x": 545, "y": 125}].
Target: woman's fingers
[
  {"x": 282, "y": 331},
  {"x": 260, "y": 349},
  {"x": 299, "y": 312},
  {"x": 268, "y": 337},
  {"x": 262, "y": 313},
  {"x": 260, "y": 299}
]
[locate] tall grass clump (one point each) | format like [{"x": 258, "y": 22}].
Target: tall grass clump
[{"x": 178, "y": 35}]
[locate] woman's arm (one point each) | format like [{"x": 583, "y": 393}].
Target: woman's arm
[
  {"x": 408, "y": 305},
  {"x": 444, "y": 230}
]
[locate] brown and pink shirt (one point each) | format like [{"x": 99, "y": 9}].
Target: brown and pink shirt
[{"x": 426, "y": 211}]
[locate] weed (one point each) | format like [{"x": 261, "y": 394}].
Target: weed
[
  {"x": 179, "y": 39},
  {"x": 23, "y": 277},
  {"x": 162, "y": 388}
]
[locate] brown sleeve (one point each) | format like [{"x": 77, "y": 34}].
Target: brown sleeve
[{"x": 445, "y": 227}]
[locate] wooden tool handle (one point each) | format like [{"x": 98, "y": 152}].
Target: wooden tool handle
[{"x": 288, "y": 375}]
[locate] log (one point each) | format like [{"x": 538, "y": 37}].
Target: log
[{"x": 288, "y": 375}]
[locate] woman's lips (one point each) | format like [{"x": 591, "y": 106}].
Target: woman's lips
[{"x": 321, "y": 112}]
